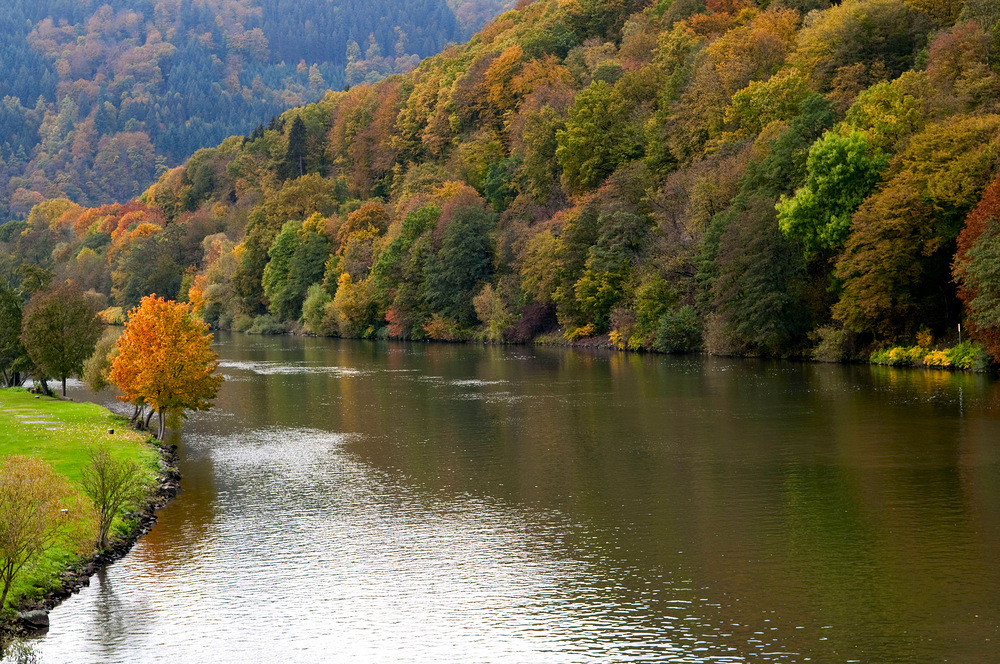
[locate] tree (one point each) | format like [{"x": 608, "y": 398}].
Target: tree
[
  {"x": 13, "y": 358},
  {"x": 843, "y": 170},
  {"x": 597, "y": 139},
  {"x": 902, "y": 240},
  {"x": 295, "y": 156},
  {"x": 98, "y": 366},
  {"x": 59, "y": 331},
  {"x": 464, "y": 263},
  {"x": 112, "y": 484},
  {"x": 883, "y": 36},
  {"x": 165, "y": 360},
  {"x": 758, "y": 294},
  {"x": 977, "y": 269},
  {"x": 32, "y": 500}
]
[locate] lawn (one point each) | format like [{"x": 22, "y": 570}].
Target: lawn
[{"x": 61, "y": 433}]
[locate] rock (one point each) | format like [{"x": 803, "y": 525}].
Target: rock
[{"x": 34, "y": 619}]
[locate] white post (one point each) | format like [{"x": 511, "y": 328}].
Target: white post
[{"x": 959, "y": 334}]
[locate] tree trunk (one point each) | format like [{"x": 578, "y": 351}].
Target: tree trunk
[
  {"x": 64, "y": 385},
  {"x": 45, "y": 387},
  {"x": 6, "y": 588},
  {"x": 148, "y": 418},
  {"x": 163, "y": 426}
]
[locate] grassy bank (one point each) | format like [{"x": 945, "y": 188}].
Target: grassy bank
[{"x": 61, "y": 433}]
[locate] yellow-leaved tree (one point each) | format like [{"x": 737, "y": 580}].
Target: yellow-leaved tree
[{"x": 165, "y": 361}]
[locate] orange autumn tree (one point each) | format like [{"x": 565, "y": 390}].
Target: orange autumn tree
[{"x": 165, "y": 361}]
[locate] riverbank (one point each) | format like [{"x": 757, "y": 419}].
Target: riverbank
[
  {"x": 969, "y": 356},
  {"x": 61, "y": 432}
]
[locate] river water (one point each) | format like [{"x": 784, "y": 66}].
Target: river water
[{"x": 371, "y": 502}]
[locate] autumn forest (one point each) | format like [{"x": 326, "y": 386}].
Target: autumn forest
[{"x": 793, "y": 178}]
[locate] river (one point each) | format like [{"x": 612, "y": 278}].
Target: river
[{"x": 351, "y": 501}]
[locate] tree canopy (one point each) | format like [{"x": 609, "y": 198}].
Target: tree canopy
[
  {"x": 738, "y": 176},
  {"x": 59, "y": 330},
  {"x": 165, "y": 360}
]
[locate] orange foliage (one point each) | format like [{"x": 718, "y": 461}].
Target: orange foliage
[
  {"x": 165, "y": 360},
  {"x": 196, "y": 293}
]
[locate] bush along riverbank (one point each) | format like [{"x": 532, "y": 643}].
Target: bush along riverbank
[
  {"x": 966, "y": 356},
  {"x": 73, "y": 440}
]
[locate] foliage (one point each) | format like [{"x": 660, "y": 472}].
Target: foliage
[
  {"x": 461, "y": 266},
  {"x": 59, "y": 330},
  {"x": 900, "y": 247},
  {"x": 968, "y": 356},
  {"x": 14, "y": 360},
  {"x": 492, "y": 313},
  {"x": 597, "y": 138},
  {"x": 678, "y": 331},
  {"x": 164, "y": 360},
  {"x": 99, "y": 96},
  {"x": 843, "y": 171},
  {"x": 977, "y": 269},
  {"x": 880, "y": 37},
  {"x": 98, "y": 366},
  {"x": 769, "y": 178},
  {"x": 112, "y": 484},
  {"x": 32, "y": 500},
  {"x": 314, "y": 309}
]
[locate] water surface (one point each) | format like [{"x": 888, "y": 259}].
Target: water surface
[{"x": 372, "y": 502}]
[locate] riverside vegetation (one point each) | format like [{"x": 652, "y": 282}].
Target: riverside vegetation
[
  {"x": 67, "y": 452},
  {"x": 794, "y": 178},
  {"x": 76, "y": 484}
]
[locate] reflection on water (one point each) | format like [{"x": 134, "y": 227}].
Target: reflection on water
[{"x": 363, "y": 502}]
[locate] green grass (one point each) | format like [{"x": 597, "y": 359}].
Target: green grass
[{"x": 61, "y": 433}]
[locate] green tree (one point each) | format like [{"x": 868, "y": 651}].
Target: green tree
[
  {"x": 112, "y": 484},
  {"x": 59, "y": 330},
  {"x": 14, "y": 360},
  {"x": 842, "y": 171},
  {"x": 598, "y": 138},
  {"x": 463, "y": 264},
  {"x": 295, "y": 156},
  {"x": 297, "y": 258},
  {"x": 758, "y": 293},
  {"x": 621, "y": 238}
]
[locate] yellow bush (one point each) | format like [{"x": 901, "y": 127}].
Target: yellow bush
[
  {"x": 937, "y": 358},
  {"x": 576, "y": 333}
]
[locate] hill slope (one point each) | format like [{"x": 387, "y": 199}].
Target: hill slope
[
  {"x": 98, "y": 95},
  {"x": 751, "y": 178}
]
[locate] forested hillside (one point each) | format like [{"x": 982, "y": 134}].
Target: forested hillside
[
  {"x": 99, "y": 95},
  {"x": 767, "y": 178}
]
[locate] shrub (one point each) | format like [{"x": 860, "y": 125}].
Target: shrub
[
  {"x": 679, "y": 331},
  {"x": 314, "y": 309},
  {"x": 970, "y": 356},
  {"x": 242, "y": 322},
  {"x": 267, "y": 325},
  {"x": 937, "y": 359},
  {"x": 835, "y": 344},
  {"x": 577, "y": 333},
  {"x": 440, "y": 328}
]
